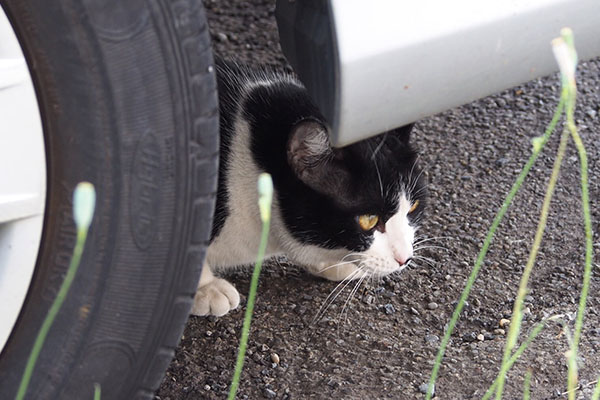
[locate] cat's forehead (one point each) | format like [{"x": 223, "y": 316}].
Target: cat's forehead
[
  {"x": 382, "y": 159},
  {"x": 378, "y": 180}
]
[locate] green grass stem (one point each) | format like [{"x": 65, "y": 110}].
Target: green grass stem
[
  {"x": 97, "y": 391},
  {"x": 596, "y": 394},
  {"x": 572, "y": 375},
  {"x": 527, "y": 385},
  {"x": 265, "y": 190},
  {"x": 534, "y": 332},
  {"x": 517, "y": 315},
  {"x": 539, "y": 143},
  {"x": 83, "y": 207}
]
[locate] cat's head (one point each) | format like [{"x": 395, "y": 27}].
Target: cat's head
[{"x": 354, "y": 206}]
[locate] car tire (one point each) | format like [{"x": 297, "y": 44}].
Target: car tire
[{"x": 128, "y": 101}]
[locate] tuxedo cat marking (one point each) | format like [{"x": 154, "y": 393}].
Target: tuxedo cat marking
[{"x": 341, "y": 213}]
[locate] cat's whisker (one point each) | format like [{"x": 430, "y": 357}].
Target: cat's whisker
[
  {"x": 414, "y": 264},
  {"x": 342, "y": 262},
  {"x": 351, "y": 295},
  {"x": 379, "y": 146},
  {"x": 373, "y": 154},
  {"x": 413, "y": 183},
  {"x": 354, "y": 289},
  {"x": 426, "y": 260},
  {"x": 379, "y": 177},
  {"x": 336, "y": 265},
  {"x": 419, "y": 240},
  {"x": 335, "y": 293},
  {"x": 422, "y": 189},
  {"x": 417, "y": 248},
  {"x": 355, "y": 254},
  {"x": 422, "y": 257},
  {"x": 412, "y": 168}
]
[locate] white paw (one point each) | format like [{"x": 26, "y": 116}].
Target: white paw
[
  {"x": 340, "y": 272},
  {"x": 215, "y": 298}
]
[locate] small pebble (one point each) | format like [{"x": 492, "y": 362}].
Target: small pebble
[
  {"x": 504, "y": 322},
  {"x": 414, "y": 311},
  {"x": 264, "y": 347},
  {"x": 275, "y": 358},
  {"x": 269, "y": 394},
  {"x": 480, "y": 337},
  {"x": 207, "y": 387},
  {"x": 432, "y": 338},
  {"x": 432, "y": 306},
  {"x": 389, "y": 309},
  {"x": 423, "y": 388},
  {"x": 469, "y": 337},
  {"x": 499, "y": 331},
  {"x": 221, "y": 37},
  {"x": 501, "y": 162},
  {"x": 209, "y": 333}
]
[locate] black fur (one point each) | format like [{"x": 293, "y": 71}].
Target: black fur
[{"x": 321, "y": 206}]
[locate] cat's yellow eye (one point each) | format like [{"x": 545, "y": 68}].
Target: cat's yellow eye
[
  {"x": 414, "y": 206},
  {"x": 367, "y": 222}
]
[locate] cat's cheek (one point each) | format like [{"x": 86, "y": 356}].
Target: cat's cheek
[
  {"x": 381, "y": 259},
  {"x": 381, "y": 247}
]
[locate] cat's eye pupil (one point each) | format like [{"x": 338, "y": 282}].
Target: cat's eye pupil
[{"x": 367, "y": 221}]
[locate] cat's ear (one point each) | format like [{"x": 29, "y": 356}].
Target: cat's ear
[
  {"x": 308, "y": 148},
  {"x": 313, "y": 161}
]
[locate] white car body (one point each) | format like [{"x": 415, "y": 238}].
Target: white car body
[
  {"x": 395, "y": 62},
  {"x": 22, "y": 179}
]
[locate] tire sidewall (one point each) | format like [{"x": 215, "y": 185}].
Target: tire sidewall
[{"x": 89, "y": 138}]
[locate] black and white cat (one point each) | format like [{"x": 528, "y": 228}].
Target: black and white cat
[{"x": 342, "y": 213}]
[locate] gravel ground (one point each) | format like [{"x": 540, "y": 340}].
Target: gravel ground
[{"x": 383, "y": 346}]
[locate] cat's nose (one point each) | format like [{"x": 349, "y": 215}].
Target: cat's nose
[{"x": 403, "y": 261}]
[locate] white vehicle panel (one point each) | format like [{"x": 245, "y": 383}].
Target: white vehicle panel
[
  {"x": 372, "y": 66},
  {"x": 402, "y": 61}
]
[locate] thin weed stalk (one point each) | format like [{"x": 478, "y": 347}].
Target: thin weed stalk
[
  {"x": 566, "y": 42},
  {"x": 84, "y": 200},
  {"x": 527, "y": 385},
  {"x": 534, "y": 332},
  {"x": 517, "y": 315},
  {"x": 567, "y": 60},
  {"x": 539, "y": 143},
  {"x": 265, "y": 193},
  {"x": 596, "y": 394}
]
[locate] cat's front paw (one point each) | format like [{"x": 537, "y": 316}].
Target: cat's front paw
[{"x": 216, "y": 298}]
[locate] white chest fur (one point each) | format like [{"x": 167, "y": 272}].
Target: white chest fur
[{"x": 238, "y": 240}]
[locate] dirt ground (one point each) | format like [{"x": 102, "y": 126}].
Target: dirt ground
[{"x": 384, "y": 346}]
